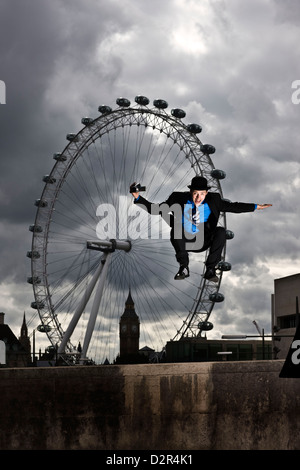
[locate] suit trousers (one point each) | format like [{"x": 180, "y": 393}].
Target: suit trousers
[{"x": 214, "y": 241}]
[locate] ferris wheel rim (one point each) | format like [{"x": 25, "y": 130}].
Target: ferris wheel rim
[{"x": 73, "y": 150}]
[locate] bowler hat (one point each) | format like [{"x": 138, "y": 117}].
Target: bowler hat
[{"x": 199, "y": 183}]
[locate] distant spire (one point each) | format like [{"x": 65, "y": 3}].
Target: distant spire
[
  {"x": 129, "y": 308},
  {"x": 129, "y": 302},
  {"x": 24, "y": 339},
  {"x": 24, "y": 329}
]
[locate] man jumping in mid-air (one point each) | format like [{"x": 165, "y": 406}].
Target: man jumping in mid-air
[{"x": 199, "y": 215}]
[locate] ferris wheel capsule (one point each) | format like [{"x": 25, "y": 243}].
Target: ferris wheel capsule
[
  {"x": 87, "y": 121},
  {"x": 224, "y": 266},
  {"x": 104, "y": 109},
  {"x": 72, "y": 137},
  {"x": 194, "y": 128},
  {"x": 217, "y": 297},
  {"x": 44, "y": 328},
  {"x": 229, "y": 234},
  {"x": 40, "y": 203},
  {"x": 208, "y": 149},
  {"x": 178, "y": 113},
  {"x": 123, "y": 102},
  {"x": 160, "y": 104},
  {"x": 218, "y": 174},
  {"x": 49, "y": 179},
  {"x": 205, "y": 325},
  {"x": 59, "y": 157},
  {"x": 33, "y": 254},
  {"x": 37, "y": 305},
  {"x": 35, "y": 228},
  {"x": 34, "y": 280},
  {"x": 143, "y": 100}
]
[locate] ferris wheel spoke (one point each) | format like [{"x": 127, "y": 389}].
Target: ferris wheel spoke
[
  {"x": 149, "y": 151},
  {"x": 147, "y": 283},
  {"x": 168, "y": 287}
]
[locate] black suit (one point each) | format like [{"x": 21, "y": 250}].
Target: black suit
[{"x": 214, "y": 237}]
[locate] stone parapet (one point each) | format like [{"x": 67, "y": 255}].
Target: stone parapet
[{"x": 190, "y": 406}]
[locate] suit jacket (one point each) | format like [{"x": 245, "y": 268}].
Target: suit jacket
[{"x": 214, "y": 201}]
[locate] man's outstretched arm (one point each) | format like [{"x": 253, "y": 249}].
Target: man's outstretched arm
[{"x": 238, "y": 207}]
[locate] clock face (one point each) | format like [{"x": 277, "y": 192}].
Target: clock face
[
  {"x": 124, "y": 328},
  {"x": 134, "y": 328}
]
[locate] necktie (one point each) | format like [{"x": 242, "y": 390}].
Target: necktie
[{"x": 196, "y": 215}]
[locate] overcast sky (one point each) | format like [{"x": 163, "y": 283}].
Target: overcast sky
[{"x": 229, "y": 64}]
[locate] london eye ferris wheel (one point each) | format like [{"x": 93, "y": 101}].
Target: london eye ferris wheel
[{"x": 81, "y": 279}]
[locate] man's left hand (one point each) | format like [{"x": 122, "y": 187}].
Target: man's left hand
[{"x": 263, "y": 206}]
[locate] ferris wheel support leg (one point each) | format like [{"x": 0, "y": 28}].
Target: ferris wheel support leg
[
  {"x": 81, "y": 307},
  {"x": 95, "y": 307}
]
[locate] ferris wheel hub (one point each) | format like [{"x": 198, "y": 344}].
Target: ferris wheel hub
[{"x": 109, "y": 245}]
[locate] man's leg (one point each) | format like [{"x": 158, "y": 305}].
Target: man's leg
[
  {"x": 181, "y": 256},
  {"x": 216, "y": 245}
]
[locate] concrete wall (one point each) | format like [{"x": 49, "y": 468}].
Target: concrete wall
[{"x": 191, "y": 406}]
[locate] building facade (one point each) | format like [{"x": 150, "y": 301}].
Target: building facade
[
  {"x": 17, "y": 353},
  {"x": 202, "y": 350},
  {"x": 285, "y": 313}
]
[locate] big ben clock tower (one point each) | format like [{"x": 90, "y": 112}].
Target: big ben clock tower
[{"x": 129, "y": 329}]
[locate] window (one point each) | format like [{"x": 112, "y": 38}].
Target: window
[{"x": 288, "y": 321}]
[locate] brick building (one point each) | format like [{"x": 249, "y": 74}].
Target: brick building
[{"x": 14, "y": 352}]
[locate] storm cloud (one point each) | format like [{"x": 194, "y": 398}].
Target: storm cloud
[{"x": 229, "y": 65}]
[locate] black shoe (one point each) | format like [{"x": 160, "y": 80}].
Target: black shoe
[
  {"x": 210, "y": 275},
  {"x": 182, "y": 273}
]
